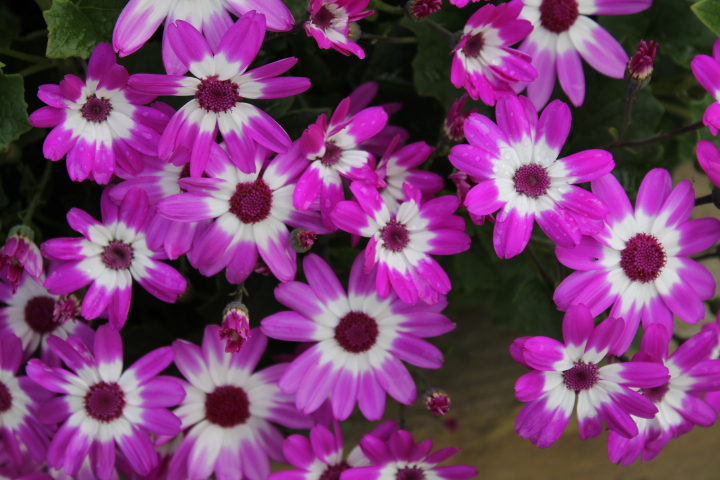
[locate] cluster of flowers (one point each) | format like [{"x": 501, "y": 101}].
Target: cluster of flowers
[{"x": 229, "y": 205}]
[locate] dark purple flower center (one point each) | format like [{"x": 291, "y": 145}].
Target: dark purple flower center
[
  {"x": 580, "y": 377},
  {"x": 227, "y": 406},
  {"x": 357, "y": 332},
  {"x": 532, "y": 180},
  {"x": 410, "y": 474},
  {"x": 332, "y": 472},
  {"x": 105, "y": 402},
  {"x": 252, "y": 201},
  {"x": 5, "y": 398},
  {"x": 395, "y": 236},
  {"x": 323, "y": 18},
  {"x": 558, "y": 15},
  {"x": 216, "y": 95},
  {"x": 473, "y": 45},
  {"x": 96, "y": 109},
  {"x": 39, "y": 313},
  {"x": 332, "y": 154},
  {"x": 643, "y": 258},
  {"x": 655, "y": 394},
  {"x": 117, "y": 255}
]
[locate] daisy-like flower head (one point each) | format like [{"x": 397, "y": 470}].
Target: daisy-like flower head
[
  {"x": 99, "y": 122},
  {"x": 228, "y": 409},
  {"x": 330, "y": 21},
  {"x": 101, "y": 407},
  {"x": 679, "y": 401},
  {"x": 221, "y": 84},
  {"x": 401, "y": 243},
  {"x": 320, "y": 457},
  {"x": 20, "y": 254},
  {"x": 707, "y": 71},
  {"x": 141, "y": 18},
  {"x": 20, "y": 401},
  {"x": 638, "y": 263},
  {"x": 109, "y": 256},
  {"x": 361, "y": 340},
  {"x": 563, "y": 34},
  {"x": 517, "y": 164},
  {"x": 483, "y": 63},
  {"x": 251, "y": 211},
  {"x": 33, "y": 314},
  {"x": 563, "y": 372},
  {"x": 400, "y": 458}
]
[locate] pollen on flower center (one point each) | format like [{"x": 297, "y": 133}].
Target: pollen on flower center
[
  {"x": 655, "y": 394},
  {"x": 580, "y": 377},
  {"x": 532, "y": 180},
  {"x": 410, "y": 474},
  {"x": 117, "y": 255},
  {"x": 357, "y": 332},
  {"x": 323, "y": 18},
  {"x": 96, "y": 109},
  {"x": 643, "y": 258},
  {"x": 395, "y": 236},
  {"x": 252, "y": 201},
  {"x": 558, "y": 15},
  {"x": 105, "y": 402},
  {"x": 332, "y": 472},
  {"x": 332, "y": 154},
  {"x": 217, "y": 96},
  {"x": 39, "y": 312},
  {"x": 227, "y": 406},
  {"x": 473, "y": 45},
  {"x": 5, "y": 398}
]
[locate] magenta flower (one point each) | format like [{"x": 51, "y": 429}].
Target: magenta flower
[
  {"x": 20, "y": 254},
  {"x": 563, "y": 373},
  {"x": 251, "y": 211},
  {"x": 517, "y": 163},
  {"x": 462, "y": 3},
  {"x": 483, "y": 63},
  {"x": 399, "y": 457},
  {"x": 638, "y": 264},
  {"x": 361, "y": 340},
  {"x": 32, "y": 315},
  {"x": 563, "y": 34},
  {"x": 401, "y": 242},
  {"x": 679, "y": 401},
  {"x": 228, "y": 410},
  {"x": 454, "y": 125},
  {"x": 141, "y": 18},
  {"x": 708, "y": 157},
  {"x": 20, "y": 401},
  {"x": 221, "y": 84},
  {"x": 109, "y": 256},
  {"x": 707, "y": 71},
  {"x": 99, "y": 122},
  {"x": 235, "y": 328},
  {"x": 639, "y": 69},
  {"x": 330, "y": 21},
  {"x": 101, "y": 408}
]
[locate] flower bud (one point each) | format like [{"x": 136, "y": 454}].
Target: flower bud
[
  {"x": 67, "y": 307},
  {"x": 20, "y": 254},
  {"x": 419, "y": 9},
  {"x": 235, "y": 327},
  {"x": 454, "y": 126},
  {"x": 302, "y": 239},
  {"x": 437, "y": 401},
  {"x": 640, "y": 67}
]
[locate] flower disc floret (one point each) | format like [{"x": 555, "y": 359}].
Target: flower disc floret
[
  {"x": 395, "y": 236},
  {"x": 117, "y": 255},
  {"x": 217, "y": 96},
  {"x": 655, "y": 394},
  {"x": 105, "y": 402},
  {"x": 39, "y": 312},
  {"x": 643, "y": 258},
  {"x": 333, "y": 472},
  {"x": 227, "y": 406},
  {"x": 410, "y": 474},
  {"x": 357, "y": 332},
  {"x": 558, "y": 16},
  {"x": 96, "y": 109},
  {"x": 5, "y": 398},
  {"x": 532, "y": 180},
  {"x": 582, "y": 376},
  {"x": 252, "y": 201}
]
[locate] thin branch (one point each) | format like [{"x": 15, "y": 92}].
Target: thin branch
[
  {"x": 659, "y": 138},
  {"x": 382, "y": 38}
]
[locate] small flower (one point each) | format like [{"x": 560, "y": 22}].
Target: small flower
[
  {"x": 708, "y": 157},
  {"x": 20, "y": 254},
  {"x": 639, "y": 68},
  {"x": 437, "y": 401},
  {"x": 419, "y": 9},
  {"x": 101, "y": 408},
  {"x": 98, "y": 123},
  {"x": 66, "y": 308},
  {"x": 707, "y": 71},
  {"x": 302, "y": 239},
  {"x": 235, "y": 327},
  {"x": 330, "y": 24},
  {"x": 482, "y": 62},
  {"x": 462, "y": 3},
  {"x": 563, "y": 373},
  {"x": 454, "y": 126}
]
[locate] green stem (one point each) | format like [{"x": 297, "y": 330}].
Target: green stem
[
  {"x": 664, "y": 136},
  {"x": 381, "y": 38},
  {"x": 628, "y": 114},
  {"x": 38, "y": 67},
  {"x": 541, "y": 268},
  {"x": 437, "y": 27},
  {"x": 22, "y": 56},
  {"x": 38, "y": 195},
  {"x": 384, "y": 7}
]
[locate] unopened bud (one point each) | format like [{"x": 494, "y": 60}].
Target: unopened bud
[
  {"x": 67, "y": 307},
  {"x": 235, "y": 328},
  {"x": 419, "y": 9},
  {"x": 302, "y": 240},
  {"x": 437, "y": 401},
  {"x": 20, "y": 254},
  {"x": 454, "y": 126},
  {"x": 262, "y": 268},
  {"x": 640, "y": 67}
]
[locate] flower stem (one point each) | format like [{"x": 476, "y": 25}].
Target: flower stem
[
  {"x": 382, "y": 38},
  {"x": 436, "y": 26},
  {"x": 704, "y": 200},
  {"x": 541, "y": 268},
  {"x": 663, "y": 136},
  {"x": 628, "y": 114},
  {"x": 384, "y": 7},
  {"x": 38, "y": 194},
  {"x": 22, "y": 56}
]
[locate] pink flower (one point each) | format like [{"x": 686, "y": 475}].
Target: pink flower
[
  {"x": 454, "y": 126},
  {"x": 639, "y": 69},
  {"x": 707, "y": 71},
  {"x": 330, "y": 21},
  {"x": 235, "y": 328},
  {"x": 708, "y": 157},
  {"x": 19, "y": 255}
]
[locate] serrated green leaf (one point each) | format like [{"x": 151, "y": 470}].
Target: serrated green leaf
[
  {"x": 75, "y": 28},
  {"x": 708, "y": 11},
  {"x": 14, "y": 110}
]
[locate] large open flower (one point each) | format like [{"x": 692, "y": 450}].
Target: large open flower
[{"x": 330, "y": 21}]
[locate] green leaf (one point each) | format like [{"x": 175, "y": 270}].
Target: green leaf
[
  {"x": 13, "y": 108},
  {"x": 708, "y": 11},
  {"x": 75, "y": 28}
]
